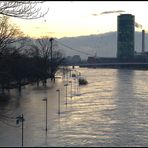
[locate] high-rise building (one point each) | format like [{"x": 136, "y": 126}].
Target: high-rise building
[{"x": 125, "y": 37}]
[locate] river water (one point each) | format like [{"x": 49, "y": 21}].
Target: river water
[{"x": 112, "y": 110}]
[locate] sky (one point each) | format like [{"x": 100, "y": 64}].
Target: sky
[{"x": 82, "y": 18}]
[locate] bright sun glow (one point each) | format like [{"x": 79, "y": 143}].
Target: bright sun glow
[{"x": 74, "y": 18}]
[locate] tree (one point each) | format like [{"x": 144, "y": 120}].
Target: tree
[
  {"x": 42, "y": 51},
  {"x": 57, "y": 60},
  {"x": 9, "y": 34},
  {"x": 22, "y": 9}
]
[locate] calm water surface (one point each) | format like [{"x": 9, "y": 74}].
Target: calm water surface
[{"x": 112, "y": 110}]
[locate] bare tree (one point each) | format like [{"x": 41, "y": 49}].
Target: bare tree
[
  {"x": 42, "y": 47},
  {"x": 41, "y": 52},
  {"x": 9, "y": 33},
  {"x": 46, "y": 54},
  {"x": 22, "y": 9}
]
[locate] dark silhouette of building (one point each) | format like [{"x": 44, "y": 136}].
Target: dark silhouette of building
[
  {"x": 76, "y": 59},
  {"x": 91, "y": 60},
  {"x": 125, "y": 37}
]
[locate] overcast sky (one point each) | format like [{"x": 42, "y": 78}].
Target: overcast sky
[{"x": 78, "y": 18}]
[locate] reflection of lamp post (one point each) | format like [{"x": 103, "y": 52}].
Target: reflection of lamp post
[
  {"x": 66, "y": 92},
  {"x": 46, "y": 112},
  {"x": 71, "y": 88},
  {"x": 21, "y": 119},
  {"x": 58, "y": 100}
]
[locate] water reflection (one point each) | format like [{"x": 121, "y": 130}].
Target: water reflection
[
  {"x": 126, "y": 128},
  {"x": 111, "y": 111}
]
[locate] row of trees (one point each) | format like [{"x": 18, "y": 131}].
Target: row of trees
[{"x": 21, "y": 60}]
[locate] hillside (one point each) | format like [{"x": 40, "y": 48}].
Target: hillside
[{"x": 104, "y": 45}]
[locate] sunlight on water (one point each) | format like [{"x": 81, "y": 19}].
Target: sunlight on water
[{"x": 110, "y": 111}]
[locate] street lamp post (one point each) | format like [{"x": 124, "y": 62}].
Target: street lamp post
[
  {"x": 77, "y": 83},
  {"x": 67, "y": 76},
  {"x": 71, "y": 88},
  {"x": 75, "y": 87},
  {"x": 58, "y": 90},
  {"x": 51, "y": 39},
  {"x": 21, "y": 119},
  {"x": 45, "y": 99},
  {"x": 70, "y": 72},
  {"x": 66, "y": 92}
]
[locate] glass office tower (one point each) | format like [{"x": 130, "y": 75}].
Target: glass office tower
[{"x": 125, "y": 37}]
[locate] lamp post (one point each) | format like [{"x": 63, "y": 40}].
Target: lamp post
[
  {"x": 77, "y": 83},
  {"x": 20, "y": 118},
  {"x": 70, "y": 72},
  {"x": 66, "y": 92},
  {"x": 75, "y": 87},
  {"x": 67, "y": 75},
  {"x": 58, "y": 90},
  {"x": 45, "y": 99},
  {"x": 71, "y": 88},
  {"x": 51, "y": 39}
]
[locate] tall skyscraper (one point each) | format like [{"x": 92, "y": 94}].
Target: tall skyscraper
[{"x": 125, "y": 37}]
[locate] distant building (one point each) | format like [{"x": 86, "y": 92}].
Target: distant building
[
  {"x": 76, "y": 59},
  {"x": 141, "y": 57},
  {"x": 68, "y": 59},
  {"x": 91, "y": 60},
  {"x": 125, "y": 37}
]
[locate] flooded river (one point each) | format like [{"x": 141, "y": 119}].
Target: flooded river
[{"x": 111, "y": 110}]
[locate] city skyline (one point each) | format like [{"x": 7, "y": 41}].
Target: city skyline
[{"x": 79, "y": 18}]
